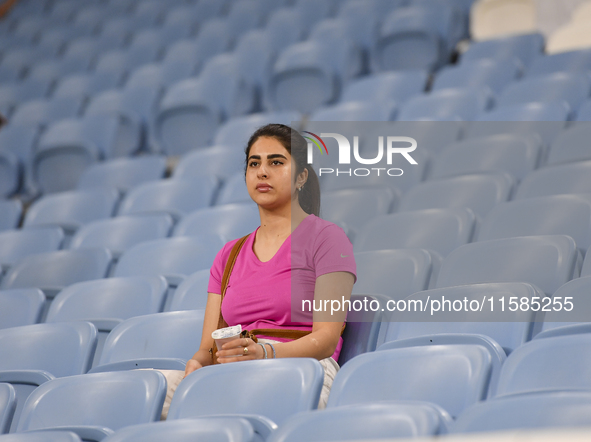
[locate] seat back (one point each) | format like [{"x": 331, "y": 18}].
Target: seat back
[
  {"x": 451, "y": 376},
  {"x": 229, "y": 221},
  {"x": 546, "y": 261},
  {"x": 20, "y": 307},
  {"x": 18, "y": 244},
  {"x": 7, "y": 406},
  {"x": 291, "y": 385},
  {"x": 555, "y": 180},
  {"x": 191, "y": 294},
  {"x": 10, "y": 214},
  {"x": 569, "y": 146}
]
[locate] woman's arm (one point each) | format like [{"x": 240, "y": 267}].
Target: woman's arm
[
  {"x": 210, "y": 322},
  {"x": 326, "y": 330}
]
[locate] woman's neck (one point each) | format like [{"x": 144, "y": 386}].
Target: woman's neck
[{"x": 278, "y": 224}]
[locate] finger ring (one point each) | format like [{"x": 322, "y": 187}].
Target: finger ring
[{"x": 245, "y": 350}]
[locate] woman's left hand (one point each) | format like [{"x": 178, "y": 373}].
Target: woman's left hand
[{"x": 241, "y": 349}]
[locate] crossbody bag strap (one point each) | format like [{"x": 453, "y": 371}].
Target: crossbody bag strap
[
  {"x": 226, "y": 276},
  {"x": 284, "y": 333}
]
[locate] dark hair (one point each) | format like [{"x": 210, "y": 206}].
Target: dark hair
[{"x": 297, "y": 147}]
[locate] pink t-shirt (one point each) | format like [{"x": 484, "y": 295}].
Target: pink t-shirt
[{"x": 259, "y": 294}]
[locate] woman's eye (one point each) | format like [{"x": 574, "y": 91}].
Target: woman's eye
[
  {"x": 253, "y": 164},
  {"x": 277, "y": 162}
]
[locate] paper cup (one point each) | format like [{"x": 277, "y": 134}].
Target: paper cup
[{"x": 223, "y": 335}]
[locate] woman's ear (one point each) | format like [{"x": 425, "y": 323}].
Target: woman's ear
[{"x": 301, "y": 179}]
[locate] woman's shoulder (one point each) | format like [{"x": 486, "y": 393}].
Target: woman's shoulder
[
  {"x": 224, "y": 253},
  {"x": 321, "y": 226}
]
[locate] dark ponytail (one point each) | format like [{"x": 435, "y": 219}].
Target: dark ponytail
[{"x": 294, "y": 143}]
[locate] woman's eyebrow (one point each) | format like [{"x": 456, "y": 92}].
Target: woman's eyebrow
[{"x": 269, "y": 157}]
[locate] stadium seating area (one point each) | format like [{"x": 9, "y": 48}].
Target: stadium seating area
[{"x": 121, "y": 177}]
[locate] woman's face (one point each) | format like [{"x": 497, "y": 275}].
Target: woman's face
[{"x": 269, "y": 176}]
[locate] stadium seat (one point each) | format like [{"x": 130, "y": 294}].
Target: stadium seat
[
  {"x": 547, "y": 261},
  {"x": 362, "y": 20},
  {"x": 121, "y": 233},
  {"x": 573, "y": 88},
  {"x": 108, "y": 302},
  {"x": 168, "y": 339},
  {"x": 530, "y": 369},
  {"x": 478, "y": 73},
  {"x": 243, "y": 17},
  {"x": 384, "y": 110},
  {"x": 20, "y": 141},
  {"x": 55, "y": 69},
  {"x": 219, "y": 429},
  {"x": 284, "y": 27},
  {"x": 68, "y": 147},
  {"x": 450, "y": 376},
  {"x": 397, "y": 86},
  {"x": 441, "y": 230},
  {"x": 18, "y": 244},
  {"x": 569, "y": 146},
  {"x": 123, "y": 173},
  {"x": 222, "y": 161},
  {"x": 86, "y": 85},
  {"x": 71, "y": 210},
  {"x": 177, "y": 197},
  {"x": 496, "y": 18},
  {"x": 20, "y": 307},
  {"x": 556, "y": 180},
  {"x": 191, "y": 294},
  {"x": 7, "y": 406},
  {"x": 416, "y": 37},
  {"x": 586, "y": 270},
  {"x": 229, "y": 221},
  {"x": 10, "y": 214},
  {"x": 43, "y": 112},
  {"x": 525, "y": 47},
  {"x": 42, "y": 436},
  {"x": 312, "y": 12},
  {"x": 551, "y": 215},
  {"x": 545, "y": 119},
  {"x": 584, "y": 113},
  {"x": 53, "y": 351},
  {"x": 432, "y": 136},
  {"x": 237, "y": 131},
  {"x": 357, "y": 207},
  {"x": 297, "y": 380},
  {"x": 9, "y": 174},
  {"x": 133, "y": 106},
  {"x": 514, "y": 154},
  {"x": 173, "y": 258},
  {"x": 118, "y": 400},
  {"x": 369, "y": 421},
  {"x": 234, "y": 191},
  {"x": 572, "y": 61},
  {"x": 12, "y": 94},
  {"x": 569, "y": 321},
  {"x": 540, "y": 411},
  {"x": 157, "y": 76}
]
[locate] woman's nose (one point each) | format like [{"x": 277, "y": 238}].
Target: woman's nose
[{"x": 262, "y": 172}]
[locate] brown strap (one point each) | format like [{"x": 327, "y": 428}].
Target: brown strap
[
  {"x": 284, "y": 333},
  {"x": 226, "y": 276}
]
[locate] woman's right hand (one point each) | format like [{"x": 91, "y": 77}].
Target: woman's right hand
[{"x": 191, "y": 366}]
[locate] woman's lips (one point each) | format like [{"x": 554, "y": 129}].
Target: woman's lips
[{"x": 263, "y": 187}]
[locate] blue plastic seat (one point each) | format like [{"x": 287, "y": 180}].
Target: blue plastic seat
[
  {"x": 416, "y": 37},
  {"x": 393, "y": 273},
  {"x": 55, "y": 69},
  {"x": 357, "y": 111},
  {"x": 356, "y": 207},
  {"x": 68, "y": 147},
  {"x": 20, "y": 141},
  {"x": 245, "y": 16},
  {"x": 495, "y": 74},
  {"x": 236, "y": 131},
  {"x": 556, "y": 180},
  {"x": 312, "y": 12},
  {"x": 123, "y": 173},
  {"x": 292, "y": 385},
  {"x": 191, "y": 294},
  {"x": 70, "y": 210},
  {"x": 570, "y": 145},
  {"x": 10, "y": 214},
  {"x": 575, "y": 321},
  {"x": 573, "y": 88},
  {"x": 362, "y": 20},
  {"x": 119, "y": 400},
  {"x": 557, "y": 363},
  {"x": 173, "y": 258},
  {"x": 9, "y": 174},
  {"x": 7, "y": 406},
  {"x": 234, "y": 191},
  {"x": 536, "y": 411},
  {"x": 462, "y": 104},
  {"x": 545, "y": 119},
  {"x": 255, "y": 57},
  {"x": 584, "y": 113},
  {"x": 176, "y": 197},
  {"x": 43, "y": 112},
  {"x": 108, "y": 302},
  {"x": 368, "y": 421},
  {"x": 28, "y": 89},
  {"x": 442, "y": 230},
  {"x": 42, "y": 436},
  {"x": 160, "y": 75},
  {"x": 86, "y": 85},
  {"x": 284, "y": 27},
  {"x": 586, "y": 270},
  {"x": 450, "y": 376},
  {"x": 20, "y": 307},
  {"x": 551, "y": 215},
  {"x": 52, "y": 271},
  {"x": 219, "y": 429},
  {"x": 222, "y": 161},
  {"x": 18, "y": 244},
  {"x": 121, "y": 233},
  {"x": 192, "y": 109},
  {"x": 169, "y": 340},
  {"x": 395, "y": 86},
  {"x": 514, "y": 154},
  {"x": 546, "y": 261},
  {"x": 524, "y": 47},
  {"x": 573, "y": 61},
  {"x": 230, "y": 221},
  {"x": 53, "y": 351},
  {"x": 432, "y": 136}
]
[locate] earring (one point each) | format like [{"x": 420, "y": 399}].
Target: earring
[{"x": 300, "y": 188}]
